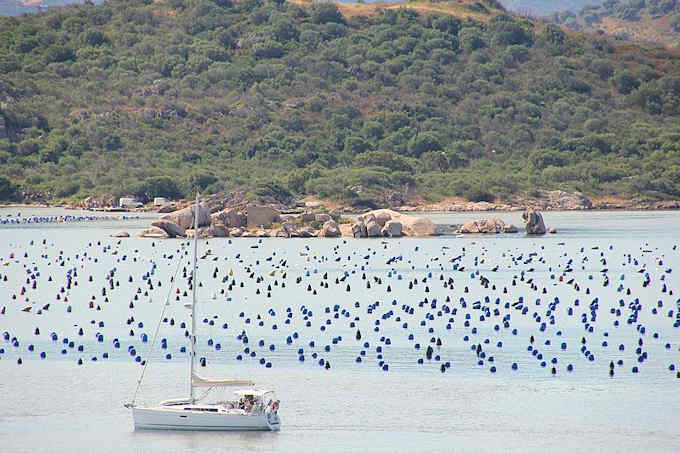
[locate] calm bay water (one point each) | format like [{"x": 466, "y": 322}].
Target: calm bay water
[{"x": 53, "y": 404}]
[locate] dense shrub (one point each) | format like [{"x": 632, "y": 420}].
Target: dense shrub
[{"x": 161, "y": 99}]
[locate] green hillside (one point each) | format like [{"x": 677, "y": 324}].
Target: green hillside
[
  {"x": 155, "y": 98},
  {"x": 652, "y": 21}
]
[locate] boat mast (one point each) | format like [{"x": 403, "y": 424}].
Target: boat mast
[{"x": 194, "y": 284}]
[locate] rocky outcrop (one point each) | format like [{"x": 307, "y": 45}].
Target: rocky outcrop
[
  {"x": 153, "y": 232},
  {"x": 533, "y": 222},
  {"x": 376, "y": 220},
  {"x": 509, "y": 228},
  {"x": 231, "y": 221},
  {"x": 417, "y": 226},
  {"x": 307, "y": 232},
  {"x": 359, "y": 230},
  {"x": 487, "y": 226},
  {"x": 289, "y": 230},
  {"x": 567, "y": 201},
  {"x": 185, "y": 217},
  {"x": 307, "y": 217},
  {"x": 167, "y": 208},
  {"x": 382, "y": 216},
  {"x": 330, "y": 230},
  {"x": 392, "y": 229},
  {"x": 322, "y": 217},
  {"x": 121, "y": 234},
  {"x": 259, "y": 216},
  {"x": 373, "y": 230},
  {"x": 103, "y": 202},
  {"x": 345, "y": 230},
  {"x": 283, "y": 232},
  {"x": 171, "y": 228},
  {"x": 203, "y": 233},
  {"x": 544, "y": 200},
  {"x": 217, "y": 231},
  {"x": 230, "y": 217}
]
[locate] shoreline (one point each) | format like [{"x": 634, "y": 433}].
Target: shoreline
[
  {"x": 540, "y": 200},
  {"x": 404, "y": 209}
]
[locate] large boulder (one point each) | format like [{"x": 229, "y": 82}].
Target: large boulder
[
  {"x": 121, "y": 234},
  {"x": 359, "y": 230},
  {"x": 382, "y": 216},
  {"x": 392, "y": 229},
  {"x": 307, "y": 232},
  {"x": 533, "y": 222},
  {"x": 330, "y": 229},
  {"x": 185, "y": 217},
  {"x": 217, "y": 231},
  {"x": 487, "y": 226},
  {"x": 336, "y": 214},
  {"x": 373, "y": 230},
  {"x": 259, "y": 216},
  {"x": 167, "y": 208},
  {"x": 236, "y": 232},
  {"x": 509, "y": 228},
  {"x": 169, "y": 227},
  {"x": 367, "y": 217},
  {"x": 411, "y": 225},
  {"x": 307, "y": 217},
  {"x": 289, "y": 230},
  {"x": 346, "y": 230},
  {"x": 203, "y": 233},
  {"x": 322, "y": 217},
  {"x": 417, "y": 226},
  {"x": 230, "y": 217},
  {"x": 153, "y": 232}
]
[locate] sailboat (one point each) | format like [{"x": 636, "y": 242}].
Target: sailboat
[{"x": 252, "y": 410}]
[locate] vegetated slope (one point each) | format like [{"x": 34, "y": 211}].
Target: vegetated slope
[
  {"x": 158, "y": 98},
  {"x": 652, "y": 21}
]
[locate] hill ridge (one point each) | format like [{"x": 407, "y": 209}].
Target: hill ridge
[{"x": 155, "y": 99}]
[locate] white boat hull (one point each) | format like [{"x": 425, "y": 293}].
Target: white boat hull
[{"x": 179, "y": 419}]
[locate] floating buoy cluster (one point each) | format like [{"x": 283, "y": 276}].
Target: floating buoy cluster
[
  {"x": 443, "y": 306},
  {"x": 18, "y": 219}
]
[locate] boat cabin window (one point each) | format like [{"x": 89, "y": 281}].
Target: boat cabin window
[{"x": 201, "y": 409}]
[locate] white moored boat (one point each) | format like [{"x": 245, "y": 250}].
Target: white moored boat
[
  {"x": 252, "y": 410},
  {"x": 255, "y": 410}
]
